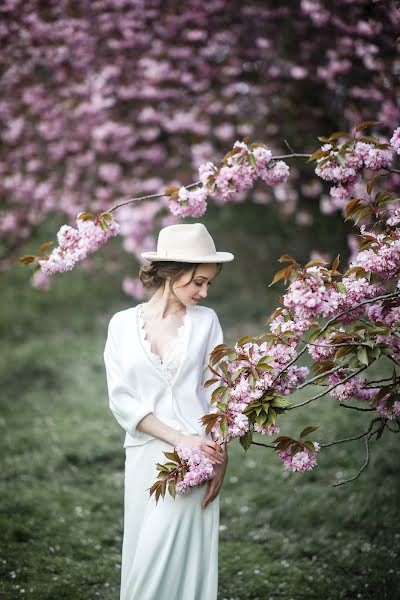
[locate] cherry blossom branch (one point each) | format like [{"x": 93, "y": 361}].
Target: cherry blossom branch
[
  {"x": 349, "y": 310},
  {"x": 328, "y": 323},
  {"x": 328, "y": 390},
  {"x": 195, "y": 184},
  {"x": 390, "y": 170}
]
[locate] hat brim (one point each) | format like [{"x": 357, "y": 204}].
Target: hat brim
[{"x": 213, "y": 258}]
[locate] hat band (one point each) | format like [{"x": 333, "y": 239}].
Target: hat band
[{"x": 162, "y": 252}]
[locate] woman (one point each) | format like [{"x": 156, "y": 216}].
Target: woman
[{"x": 156, "y": 359}]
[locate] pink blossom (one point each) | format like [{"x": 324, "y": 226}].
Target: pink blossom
[
  {"x": 41, "y": 281},
  {"x": 395, "y": 140},
  {"x": 394, "y": 218},
  {"x": 309, "y": 297},
  {"x": 389, "y": 410},
  {"x": 76, "y": 244},
  {"x": 199, "y": 468},
  {"x": 190, "y": 203},
  {"x": 270, "y": 430},
  {"x": 303, "y": 460},
  {"x": 346, "y": 390},
  {"x": 383, "y": 255}
]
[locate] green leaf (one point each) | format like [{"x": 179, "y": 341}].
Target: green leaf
[
  {"x": 246, "y": 440},
  {"x": 341, "y": 287},
  {"x": 252, "y": 160},
  {"x": 171, "y": 488},
  {"x": 309, "y": 445},
  {"x": 308, "y": 430},
  {"x": 362, "y": 355}
]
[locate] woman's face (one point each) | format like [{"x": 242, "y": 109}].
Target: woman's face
[{"x": 193, "y": 292}]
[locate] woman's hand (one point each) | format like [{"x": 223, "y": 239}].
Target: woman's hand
[
  {"x": 213, "y": 450},
  {"x": 215, "y": 484}
]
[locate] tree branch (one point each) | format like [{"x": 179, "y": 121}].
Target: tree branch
[
  {"x": 195, "y": 184},
  {"x": 328, "y": 390},
  {"x": 355, "y": 437},
  {"x": 363, "y": 467}
]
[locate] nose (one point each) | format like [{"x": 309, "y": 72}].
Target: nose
[{"x": 203, "y": 292}]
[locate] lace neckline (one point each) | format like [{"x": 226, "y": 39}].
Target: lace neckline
[{"x": 174, "y": 344}]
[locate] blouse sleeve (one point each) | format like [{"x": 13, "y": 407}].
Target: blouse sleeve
[
  {"x": 216, "y": 337},
  {"x": 124, "y": 404}
]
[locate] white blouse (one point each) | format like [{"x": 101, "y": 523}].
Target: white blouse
[
  {"x": 139, "y": 382},
  {"x": 176, "y": 349}
]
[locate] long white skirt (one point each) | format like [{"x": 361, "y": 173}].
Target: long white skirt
[{"x": 170, "y": 549}]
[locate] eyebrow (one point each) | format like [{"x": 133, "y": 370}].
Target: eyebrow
[{"x": 202, "y": 277}]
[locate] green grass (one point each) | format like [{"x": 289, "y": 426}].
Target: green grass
[{"x": 283, "y": 535}]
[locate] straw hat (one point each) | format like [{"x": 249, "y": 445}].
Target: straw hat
[{"x": 188, "y": 242}]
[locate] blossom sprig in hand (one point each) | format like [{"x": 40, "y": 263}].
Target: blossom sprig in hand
[{"x": 187, "y": 467}]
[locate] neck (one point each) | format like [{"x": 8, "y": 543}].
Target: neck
[{"x": 163, "y": 304}]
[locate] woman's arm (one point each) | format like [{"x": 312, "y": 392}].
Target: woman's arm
[
  {"x": 215, "y": 484},
  {"x": 151, "y": 425}
]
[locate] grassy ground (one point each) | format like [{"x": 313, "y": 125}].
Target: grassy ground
[{"x": 282, "y": 535}]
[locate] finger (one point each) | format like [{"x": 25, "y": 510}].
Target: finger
[
  {"x": 213, "y": 455},
  {"x": 217, "y": 447},
  {"x": 208, "y": 498}
]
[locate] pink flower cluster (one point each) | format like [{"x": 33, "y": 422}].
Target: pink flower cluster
[
  {"x": 358, "y": 289},
  {"x": 242, "y": 391},
  {"x": 190, "y": 203},
  {"x": 389, "y": 316},
  {"x": 309, "y": 297},
  {"x": 303, "y": 460},
  {"x": 288, "y": 322},
  {"x": 362, "y": 155},
  {"x": 392, "y": 342},
  {"x": 388, "y": 411},
  {"x": 238, "y": 174},
  {"x": 383, "y": 255},
  {"x": 199, "y": 468},
  {"x": 394, "y": 218},
  {"x": 271, "y": 430},
  {"x": 321, "y": 348},
  {"x": 395, "y": 140},
  {"x": 347, "y": 390},
  {"x": 344, "y": 169},
  {"x": 76, "y": 244},
  {"x": 312, "y": 294}
]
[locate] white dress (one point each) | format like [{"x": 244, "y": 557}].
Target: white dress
[{"x": 170, "y": 549}]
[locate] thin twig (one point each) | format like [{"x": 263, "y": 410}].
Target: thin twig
[
  {"x": 362, "y": 468},
  {"x": 391, "y": 170},
  {"x": 393, "y": 430},
  {"x": 394, "y": 360},
  {"x": 261, "y": 444},
  {"x": 355, "y": 437},
  {"x": 320, "y": 376},
  {"x": 357, "y": 407}
]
